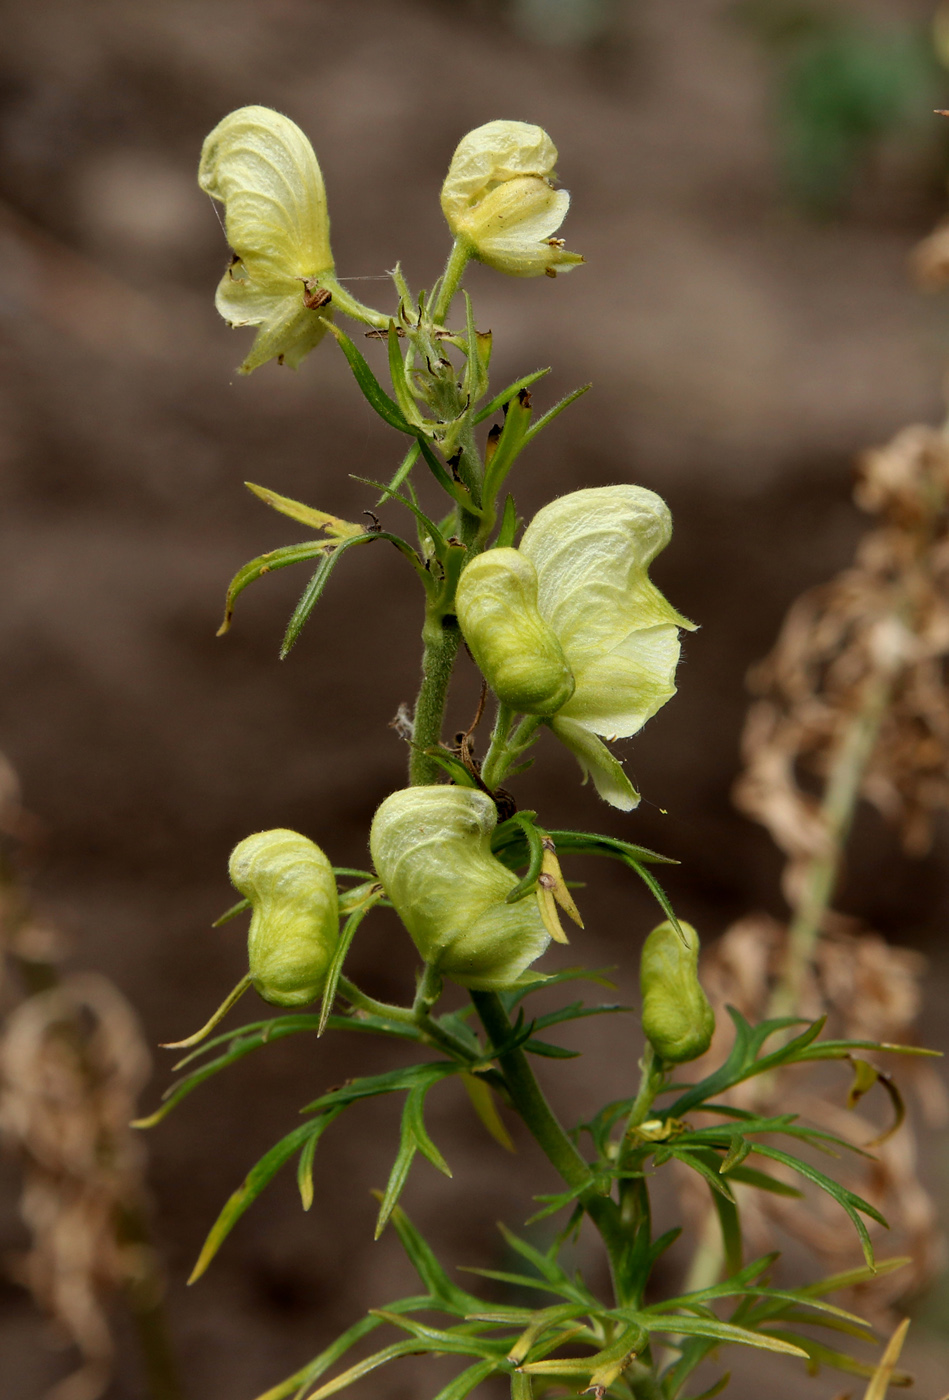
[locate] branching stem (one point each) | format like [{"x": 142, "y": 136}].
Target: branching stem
[{"x": 528, "y": 1100}]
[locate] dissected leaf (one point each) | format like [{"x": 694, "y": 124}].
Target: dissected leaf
[{"x": 254, "y": 1183}]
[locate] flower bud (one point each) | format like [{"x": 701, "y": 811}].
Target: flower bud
[
  {"x": 498, "y": 198},
  {"x": 431, "y": 847},
  {"x": 294, "y": 926},
  {"x": 516, "y": 651},
  {"x": 677, "y": 1018},
  {"x": 262, "y": 168}
]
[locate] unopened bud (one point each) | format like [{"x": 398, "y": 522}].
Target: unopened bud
[
  {"x": 677, "y": 1018},
  {"x": 294, "y": 926},
  {"x": 498, "y": 197}
]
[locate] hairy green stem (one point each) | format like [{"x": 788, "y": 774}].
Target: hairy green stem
[
  {"x": 493, "y": 759},
  {"x": 458, "y": 260},
  {"x": 442, "y": 638},
  {"x": 351, "y": 306},
  {"x": 409, "y": 1016}
]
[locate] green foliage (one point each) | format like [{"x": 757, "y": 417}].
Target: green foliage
[{"x": 842, "y": 92}]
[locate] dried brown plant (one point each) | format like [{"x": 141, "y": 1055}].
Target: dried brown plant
[
  {"x": 851, "y": 704},
  {"x": 72, "y": 1063}
]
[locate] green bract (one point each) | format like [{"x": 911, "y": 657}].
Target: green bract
[
  {"x": 516, "y": 650},
  {"x": 432, "y": 849},
  {"x": 677, "y": 1018},
  {"x": 498, "y": 198},
  {"x": 262, "y": 168},
  {"x": 294, "y": 926}
]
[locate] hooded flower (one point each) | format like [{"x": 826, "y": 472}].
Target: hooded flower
[
  {"x": 499, "y": 199},
  {"x": 432, "y": 849},
  {"x": 262, "y": 168},
  {"x": 590, "y": 552}
]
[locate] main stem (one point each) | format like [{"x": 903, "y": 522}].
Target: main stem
[{"x": 528, "y": 1099}]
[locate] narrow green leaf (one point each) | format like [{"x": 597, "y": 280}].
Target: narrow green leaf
[
  {"x": 422, "y": 1258},
  {"x": 850, "y": 1202},
  {"x": 659, "y": 894},
  {"x": 506, "y": 395},
  {"x": 231, "y": 913},
  {"x": 507, "y": 534},
  {"x": 522, "y": 1281},
  {"x": 304, "y": 514},
  {"x": 542, "y": 1321},
  {"x": 558, "y": 408},
  {"x": 305, "y": 1171},
  {"x": 455, "y": 1340},
  {"x": 513, "y": 438},
  {"x": 314, "y": 590},
  {"x": 300, "y": 1380},
  {"x": 409, "y": 1347},
  {"x": 465, "y": 1383},
  {"x": 547, "y": 1051},
  {"x": 255, "y": 1181},
  {"x": 721, "y": 1332},
  {"x": 402, "y": 471},
  {"x": 267, "y": 564},
  {"x": 427, "y": 525},
  {"x": 850, "y": 1278},
  {"x": 730, "y": 1224},
  {"x": 750, "y": 1177},
  {"x": 482, "y": 1099},
  {"x": 718, "y": 1184},
  {"x": 414, "y": 1110},
  {"x": 335, "y": 969},
  {"x": 372, "y": 390},
  {"x": 715, "y": 1389},
  {"x": 389, "y": 1083},
  {"x": 400, "y": 383},
  {"x": 535, "y": 848},
  {"x": 736, "y": 1154},
  {"x": 398, "y": 1176}
]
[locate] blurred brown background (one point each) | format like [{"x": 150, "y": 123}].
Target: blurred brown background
[{"x": 746, "y": 337}]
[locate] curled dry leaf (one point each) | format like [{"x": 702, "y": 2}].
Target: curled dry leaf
[{"x": 72, "y": 1062}]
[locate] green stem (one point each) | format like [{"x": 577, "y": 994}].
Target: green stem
[
  {"x": 493, "y": 759},
  {"x": 505, "y": 751},
  {"x": 442, "y": 638},
  {"x": 841, "y": 796},
  {"x": 528, "y": 1099},
  {"x": 458, "y": 260},
  {"x": 349, "y": 305},
  {"x": 650, "y": 1082},
  {"x": 408, "y": 1016}
]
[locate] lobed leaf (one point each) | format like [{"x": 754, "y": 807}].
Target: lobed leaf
[{"x": 254, "y": 1183}]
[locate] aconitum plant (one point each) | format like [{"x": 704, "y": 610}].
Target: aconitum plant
[{"x": 570, "y": 635}]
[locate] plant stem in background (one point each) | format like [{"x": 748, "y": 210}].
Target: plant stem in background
[{"x": 819, "y": 878}]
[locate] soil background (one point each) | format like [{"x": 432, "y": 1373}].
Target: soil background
[{"x": 741, "y": 353}]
